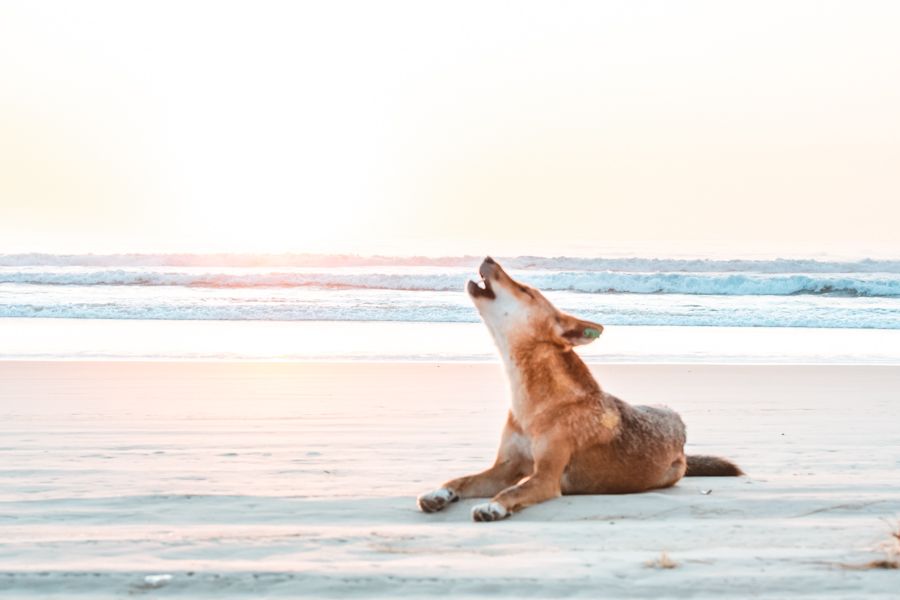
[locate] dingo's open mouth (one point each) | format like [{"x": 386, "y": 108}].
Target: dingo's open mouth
[{"x": 481, "y": 291}]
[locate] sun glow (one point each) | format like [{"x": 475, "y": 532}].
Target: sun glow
[{"x": 405, "y": 127}]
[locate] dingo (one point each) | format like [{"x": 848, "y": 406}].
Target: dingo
[{"x": 564, "y": 434}]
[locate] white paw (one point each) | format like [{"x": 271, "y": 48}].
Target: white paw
[
  {"x": 436, "y": 500},
  {"x": 489, "y": 511}
]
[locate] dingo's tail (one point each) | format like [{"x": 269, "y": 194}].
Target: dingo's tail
[{"x": 711, "y": 466}]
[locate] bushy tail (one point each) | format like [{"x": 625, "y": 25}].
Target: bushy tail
[{"x": 711, "y": 466}]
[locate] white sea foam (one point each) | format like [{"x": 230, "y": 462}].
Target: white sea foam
[
  {"x": 595, "y": 282},
  {"x": 861, "y": 294},
  {"x": 453, "y": 307}
]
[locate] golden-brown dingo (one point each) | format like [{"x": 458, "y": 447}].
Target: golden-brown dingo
[{"x": 564, "y": 434}]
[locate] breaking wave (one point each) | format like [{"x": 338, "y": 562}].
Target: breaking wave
[
  {"x": 295, "y": 287},
  {"x": 593, "y": 282}
]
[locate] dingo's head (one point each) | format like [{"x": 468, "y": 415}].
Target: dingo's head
[{"x": 516, "y": 313}]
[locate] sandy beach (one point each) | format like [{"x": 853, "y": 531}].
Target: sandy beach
[
  {"x": 264, "y": 268},
  {"x": 267, "y": 479}
]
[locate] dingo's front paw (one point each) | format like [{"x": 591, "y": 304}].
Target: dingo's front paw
[
  {"x": 489, "y": 511},
  {"x": 436, "y": 500}
]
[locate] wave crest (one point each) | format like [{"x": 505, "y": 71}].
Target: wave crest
[{"x": 594, "y": 282}]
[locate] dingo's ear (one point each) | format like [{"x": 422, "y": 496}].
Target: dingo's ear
[{"x": 578, "y": 331}]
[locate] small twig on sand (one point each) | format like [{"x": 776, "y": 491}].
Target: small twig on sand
[
  {"x": 873, "y": 564},
  {"x": 891, "y": 550},
  {"x": 663, "y": 562}
]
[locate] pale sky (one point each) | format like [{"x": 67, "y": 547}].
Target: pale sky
[{"x": 426, "y": 127}]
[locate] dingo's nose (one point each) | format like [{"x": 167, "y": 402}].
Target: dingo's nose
[{"x": 488, "y": 268}]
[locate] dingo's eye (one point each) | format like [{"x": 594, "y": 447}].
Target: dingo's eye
[{"x": 526, "y": 291}]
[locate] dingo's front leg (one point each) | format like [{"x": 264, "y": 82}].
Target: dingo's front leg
[
  {"x": 543, "y": 484},
  {"x": 484, "y": 484},
  {"x": 513, "y": 462}
]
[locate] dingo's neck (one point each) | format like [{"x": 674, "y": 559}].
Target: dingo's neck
[{"x": 542, "y": 374}]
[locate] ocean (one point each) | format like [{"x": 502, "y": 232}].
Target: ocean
[{"x": 360, "y": 292}]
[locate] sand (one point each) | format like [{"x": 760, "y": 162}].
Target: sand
[{"x": 253, "y": 480}]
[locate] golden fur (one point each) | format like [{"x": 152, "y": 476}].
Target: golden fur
[{"x": 564, "y": 434}]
